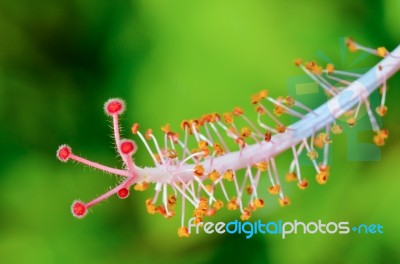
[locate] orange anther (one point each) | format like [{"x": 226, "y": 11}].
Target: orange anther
[
  {"x": 237, "y": 111},
  {"x": 166, "y": 128},
  {"x": 297, "y": 62},
  {"x": 198, "y": 170},
  {"x": 135, "y": 128},
  {"x": 148, "y": 134},
  {"x": 274, "y": 189}
]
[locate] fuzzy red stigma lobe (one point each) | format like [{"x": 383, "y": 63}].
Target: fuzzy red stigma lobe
[
  {"x": 64, "y": 153},
  {"x": 114, "y": 107},
  {"x": 78, "y": 209},
  {"x": 127, "y": 147},
  {"x": 123, "y": 193}
]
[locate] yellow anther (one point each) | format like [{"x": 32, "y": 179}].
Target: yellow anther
[
  {"x": 313, "y": 67},
  {"x": 135, "y": 128},
  {"x": 351, "y": 121},
  {"x": 258, "y": 203},
  {"x": 322, "y": 177},
  {"x": 205, "y": 119},
  {"x": 310, "y": 65},
  {"x": 161, "y": 210},
  {"x": 203, "y": 203},
  {"x": 351, "y": 45},
  {"x": 330, "y": 68},
  {"x": 202, "y": 144},
  {"x": 280, "y": 128},
  {"x": 141, "y": 186},
  {"x": 198, "y": 220},
  {"x": 297, "y": 62},
  {"x": 381, "y": 135},
  {"x": 172, "y": 154},
  {"x": 166, "y": 128},
  {"x": 381, "y": 110},
  {"x": 384, "y": 133},
  {"x": 312, "y": 154},
  {"x": 318, "y": 142},
  {"x": 379, "y": 141},
  {"x": 228, "y": 175},
  {"x": 185, "y": 124},
  {"x": 317, "y": 70},
  {"x": 245, "y": 215},
  {"x": 303, "y": 184},
  {"x": 321, "y": 139},
  {"x": 214, "y": 175},
  {"x": 151, "y": 208},
  {"x": 284, "y": 201},
  {"x": 291, "y": 176},
  {"x": 232, "y": 205},
  {"x": 262, "y": 165},
  {"x": 171, "y": 200},
  {"x": 148, "y": 134},
  {"x": 199, "y": 212},
  {"x": 255, "y": 99},
  {"x": 289, "y": 101},
  {"x": 205, "y": 151},
  {"x": 381, "y": 52},
  {"x": 228, "y": 118},
  {"x": 249, "y": 189},
  {"x": 183, "y": 231},
  {"x": 218, "y": 149},
  {"x": 237, "y": 111},
  {"x": 260, "y": 110},
  {"x": 215, "y": 117},
  {"x": 263, "y": 94},
  {"x": 202, "y": 120},
  {"x": 324, "y": 137},
  {"x": 274, "y": 189},
  {"x": 278, "y": 110},
  {"x": 198, "y": 170},
  {"x": 218, "y": 204},
  {"x": 336, "y": 129},
  {"x": 245, "y": 132},
  {"x": 194, "y": 124}
]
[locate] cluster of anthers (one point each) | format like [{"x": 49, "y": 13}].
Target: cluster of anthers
[{"x": 199, "y": 165}]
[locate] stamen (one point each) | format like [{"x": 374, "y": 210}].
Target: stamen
[
  {"x": 326, "y": 87},
  {"x": 289, "y": 111}
]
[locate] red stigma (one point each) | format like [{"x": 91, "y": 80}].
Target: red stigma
[
  {"x": 127, "y": 147},
  {"x": 79, "y": 209},
  {"x": 123, "y": 193},
  {"x": 114, "y": 107},
  {"x": 63, "y": 153}
]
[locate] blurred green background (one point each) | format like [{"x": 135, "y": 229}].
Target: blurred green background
[{"x": 172, "y": 60}]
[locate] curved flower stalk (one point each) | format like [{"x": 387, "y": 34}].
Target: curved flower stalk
[{"x": 203, "y": 161}]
